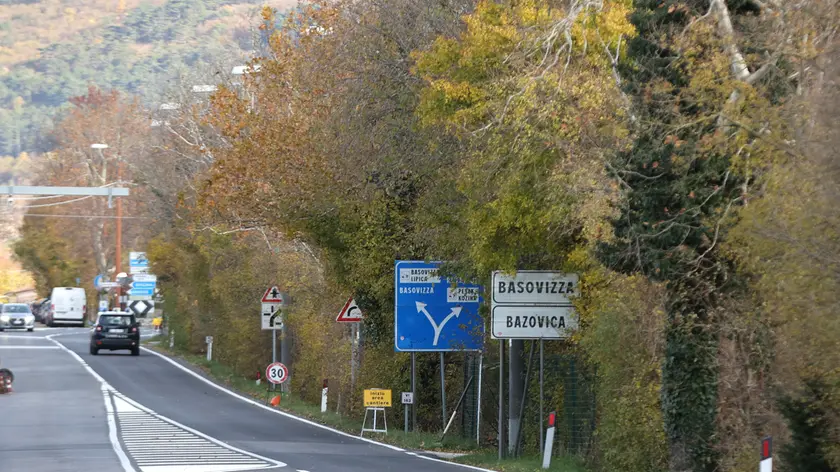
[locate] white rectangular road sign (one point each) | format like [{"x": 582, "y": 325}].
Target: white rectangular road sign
[
  {"x": 271, "y": 316},
  {"x": 531, "y": 287},
  {"x": 533, "y": 322},
  {"x": 407, "y": 398},
  {"x": 533, "y": 304},
  {"x": 144, "y": 277}
]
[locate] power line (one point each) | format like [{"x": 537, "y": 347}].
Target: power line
[{"x": 59, "y": 203}]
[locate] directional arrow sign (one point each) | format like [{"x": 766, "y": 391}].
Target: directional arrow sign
[
  {"x": 272, "y": 316},
  {"x": 433, "y": 314}
]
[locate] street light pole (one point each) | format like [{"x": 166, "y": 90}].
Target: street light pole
[
  {"x": 118, "y": 254},
  {"x": 118, "y": 249}
]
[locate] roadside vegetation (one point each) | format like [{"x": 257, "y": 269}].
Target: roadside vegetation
[{"x": 679, "y": 155}]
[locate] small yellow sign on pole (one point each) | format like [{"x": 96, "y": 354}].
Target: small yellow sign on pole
[{"x": 377, "y": 398}]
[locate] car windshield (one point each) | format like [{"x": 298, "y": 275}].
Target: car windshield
[
  {"x": 15, "y": 309},
  {"x": 116, "y": 320}
]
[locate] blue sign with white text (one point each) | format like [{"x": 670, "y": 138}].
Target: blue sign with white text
[{"x": 430, "y": 314}]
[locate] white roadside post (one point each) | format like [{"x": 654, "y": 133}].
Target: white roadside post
[
  {"x": 171, "y": 339},
  {"x": 209, "y": 341},
  {"x": 549, "y": 441},
  {"x": 766, "y": 464},
  {"x": 324, "y": 397}
]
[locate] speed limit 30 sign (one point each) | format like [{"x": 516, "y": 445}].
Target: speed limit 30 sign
[{"x": 277, "y": 373}]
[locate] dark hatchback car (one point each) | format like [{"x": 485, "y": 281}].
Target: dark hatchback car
[{"x": 115, "y": 331}]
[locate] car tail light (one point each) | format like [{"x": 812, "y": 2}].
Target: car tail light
[
  {"x": 84, "y": 309},
  {"x": 99, "y": 328},
  {"x": 134, "y": 329},
  {"x": 52, "y": 307}
]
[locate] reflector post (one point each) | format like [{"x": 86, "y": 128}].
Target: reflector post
[{"x": 766, "y": 448}]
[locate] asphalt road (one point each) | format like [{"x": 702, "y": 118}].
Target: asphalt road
[
  {"x": 55, "y": 420},
  {"x": 165, "y": 419}
]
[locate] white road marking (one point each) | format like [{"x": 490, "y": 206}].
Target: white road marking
[
  {"x": 302, "y": 420},
  {"x": 10, "y": 346},
  {"x": 160, "y": 444}
]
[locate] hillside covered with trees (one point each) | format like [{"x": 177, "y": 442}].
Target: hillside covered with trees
[{"x": 52, "y": 50}]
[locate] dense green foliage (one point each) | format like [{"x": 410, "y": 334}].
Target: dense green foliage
[{"x": 659, "y": 149}]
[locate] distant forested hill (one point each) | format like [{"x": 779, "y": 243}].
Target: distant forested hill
[{"x": 51, "y": 50}]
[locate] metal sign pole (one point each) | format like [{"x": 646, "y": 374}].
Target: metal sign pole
[
  {"x": 442, "y": 391},
  {"x": 273, "y": 351},
  {"x": 478, "y": 401},
  {"x": 501, "y": 399},
  {"x": 413, "y": 392},
  {"x": 542, "y": 359}
]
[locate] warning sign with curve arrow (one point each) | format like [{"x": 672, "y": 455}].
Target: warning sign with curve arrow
[{"x": 350, "y": 313}]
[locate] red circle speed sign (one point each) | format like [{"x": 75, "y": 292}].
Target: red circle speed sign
[{"x": 277, "y": 373}]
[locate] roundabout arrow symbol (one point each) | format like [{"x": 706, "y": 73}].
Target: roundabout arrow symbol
[{"x": 421, "y": 308}]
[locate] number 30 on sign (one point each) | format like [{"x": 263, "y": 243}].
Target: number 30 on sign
[{"x": 277, "y": 373}]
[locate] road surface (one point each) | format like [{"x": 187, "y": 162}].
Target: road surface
[{"x": 72, "y": 411}]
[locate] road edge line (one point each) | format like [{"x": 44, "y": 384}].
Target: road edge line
[
  {"x": 304, "y": 420},
  {"x": 260, "y": 405},
  {"x": 125, "y": 462}
]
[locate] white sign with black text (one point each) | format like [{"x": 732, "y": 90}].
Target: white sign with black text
[{"x": 533, "y": 305}]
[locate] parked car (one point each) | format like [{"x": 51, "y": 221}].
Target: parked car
[
  {"x": 16, "y": 316},
  {"x": 115, "y": 330},
  {"x": 39, "y": 309},
  {"x": 68, "y": 305}
]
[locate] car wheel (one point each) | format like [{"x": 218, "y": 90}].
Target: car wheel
[
  {"x": 2, "y": 329},
  {"x": 135, "y": 351},
  {"x": 30, "y": 329},
  {"x": 94, "y": 351}
]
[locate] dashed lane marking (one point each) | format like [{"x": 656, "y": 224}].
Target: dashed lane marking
[{"x": 158, "y": 444}]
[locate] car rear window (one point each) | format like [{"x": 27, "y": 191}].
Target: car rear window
[
  {"x": 15, "y": 309},
  {"x": 116, "y": 320}
]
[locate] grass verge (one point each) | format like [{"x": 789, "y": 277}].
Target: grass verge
[
  {"x": 417, "y": 441},
  {"x": 522, "y": 464}
]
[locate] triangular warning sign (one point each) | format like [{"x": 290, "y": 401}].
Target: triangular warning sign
[
  {"x": 350, "y": 313},
  {"x": 272, "y": 295}
]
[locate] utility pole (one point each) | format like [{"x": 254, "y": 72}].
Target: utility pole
[{"x": 118, "y": 254}]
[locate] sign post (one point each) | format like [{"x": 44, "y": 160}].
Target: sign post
[
  {"x": 209, "y": 341},
  {"x": 407, "y": 399},
  {"x": 433, "y": 315},
  {"x": 376, "y": 400},
  {"x": 351, "y": 313},
  {"x": 324, "y": 397},
  {"x": 271, "y": 317},
  {"x": 531, "y": 304}
]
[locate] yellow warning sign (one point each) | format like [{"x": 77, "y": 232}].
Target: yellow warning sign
[{"x": 377, "y": 397}]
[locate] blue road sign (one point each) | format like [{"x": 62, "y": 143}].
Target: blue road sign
[
  {"x": 97, "y": 281},
  {"x": 433, "y": 315},
  {"x": 143, "y": 285}
]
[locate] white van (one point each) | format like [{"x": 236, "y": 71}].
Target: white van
[{"x": 68, "y": 305}]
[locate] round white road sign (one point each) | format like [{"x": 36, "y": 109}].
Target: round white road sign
[{"x": 277, "y": 373}]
